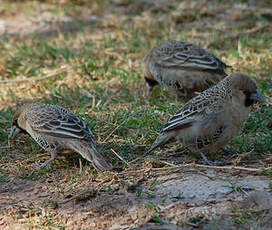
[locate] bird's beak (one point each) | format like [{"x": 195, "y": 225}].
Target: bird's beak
[
  {"x": 257, "y": 96},
  {"x": 14, "y": 131}
]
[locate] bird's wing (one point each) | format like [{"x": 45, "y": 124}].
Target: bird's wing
[
  {"x": 179, "y": 54},
  {"x": 197, "y": 108},
  {"x": 58, "y": 122}
]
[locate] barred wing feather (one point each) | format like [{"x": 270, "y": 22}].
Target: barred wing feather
[
  {"x": 60, "y": 122},
  {"x": 192, "y": 112},
  {"x": 186, "y": 55}
]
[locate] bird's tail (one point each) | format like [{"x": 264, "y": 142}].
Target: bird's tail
[
  {"x": 90, "y": 153},
  {"x": 161, "y": 140}
]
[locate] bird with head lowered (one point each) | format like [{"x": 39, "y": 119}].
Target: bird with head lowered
[
  {"x": 55, "y": 129},
  {"x": 182, "y": 67}
]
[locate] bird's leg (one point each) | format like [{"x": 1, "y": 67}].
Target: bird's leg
[
  {"x": 227, "y": 152},
  {"x": 148, "y": 90},
  {"x": 213, "y": 163},
  {"x": 176, "y": 96},
  {"x": 204, "y": 157},
  {"x": 53, "y": 156},
  {"x": 149, "y": 87}
]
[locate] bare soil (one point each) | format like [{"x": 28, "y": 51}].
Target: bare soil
[
  {"x": 144, "y": 198},
  {"x": 175, "y": 197}
]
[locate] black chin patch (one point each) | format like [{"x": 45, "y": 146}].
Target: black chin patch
[
  {"x": 248, "y": 101},
  {"x": 150, "y": 82}
]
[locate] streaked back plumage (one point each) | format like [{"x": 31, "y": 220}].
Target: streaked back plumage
[
  {"x": 57, "y": 121},
  {"x": 55, "y": 128},
  {"x": 213, "y": 118},
  {"x": 182, "y": 67}
]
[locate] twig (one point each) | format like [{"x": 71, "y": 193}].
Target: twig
[
  {"x": 136, "y": 159},
  {"x": 81, "y": 193},
  {"x": 256, "y": 170},
  {"x": 145, "y": 170},
  {"x": 80, "y": 166},
  {"x": 75, "y": 196},
  {"x": 235, "y": 36},
  {"x": 120, "y": 157},
  {"x": 167, "y": 163},
  {"x": 205, "y": 174},
  {"x": 118, "y": 127},
  {"x": 94, "y": 190},
  {"x": 59, "y": 71},
  {"x": 215, "y": 167}
]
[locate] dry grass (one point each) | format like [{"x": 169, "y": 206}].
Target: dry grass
[{"x": 85, "y": 56}]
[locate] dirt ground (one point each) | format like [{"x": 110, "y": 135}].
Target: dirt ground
[
  {"x": 188, "y": 196},
  {"x": 151, "y": 199}
]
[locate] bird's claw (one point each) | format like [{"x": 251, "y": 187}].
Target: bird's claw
[
  {"x": 211, "y": 163},
  {"x": 40, "y": 166}
]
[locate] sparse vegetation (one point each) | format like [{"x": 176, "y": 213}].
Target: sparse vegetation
[{"x": 86, "y": 56}]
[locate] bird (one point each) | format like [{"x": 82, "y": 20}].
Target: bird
[
  {"x": 213, "y": 118},
  {"x": 57, "y": 129},
  {"x": 182, "y": 67}
]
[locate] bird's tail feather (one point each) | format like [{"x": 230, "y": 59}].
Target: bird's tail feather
[
  {"x": 90, "y": 153},
  {"x": 161, "y": 140}
]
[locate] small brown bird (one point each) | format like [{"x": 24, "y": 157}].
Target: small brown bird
[
  {"x": 210, "y": 120},
  {"x": 55, "y": 129},
  {"x": 182, "y": 67}
]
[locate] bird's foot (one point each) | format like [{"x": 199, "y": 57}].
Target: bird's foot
[
  {"x": 211, "y": 163},
  {"x": 39, "y": 166},
  {"x": 227, "y": 152},
  {"x": 208, "y": 162}
]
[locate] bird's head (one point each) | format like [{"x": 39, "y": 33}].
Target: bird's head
[
  {"x": 245, "y": 89},
  {"x": 18, "y": 123}
]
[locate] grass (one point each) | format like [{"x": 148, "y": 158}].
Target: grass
[{"x": 105, "y": 86}]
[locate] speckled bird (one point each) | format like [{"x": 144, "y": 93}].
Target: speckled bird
[
  {"x": 56, "y": 129},
  {"x": 213, "y": 118},
  {"x": 182, "y": 67}
]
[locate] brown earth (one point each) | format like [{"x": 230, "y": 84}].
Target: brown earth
[{"x": 145, "y": 198}]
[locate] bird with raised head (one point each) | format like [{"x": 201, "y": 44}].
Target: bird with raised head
[
  {"x": 56, "y": 129},
  {"x": 213, "y": 118},
  {"x": 182, "y": 67}
]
